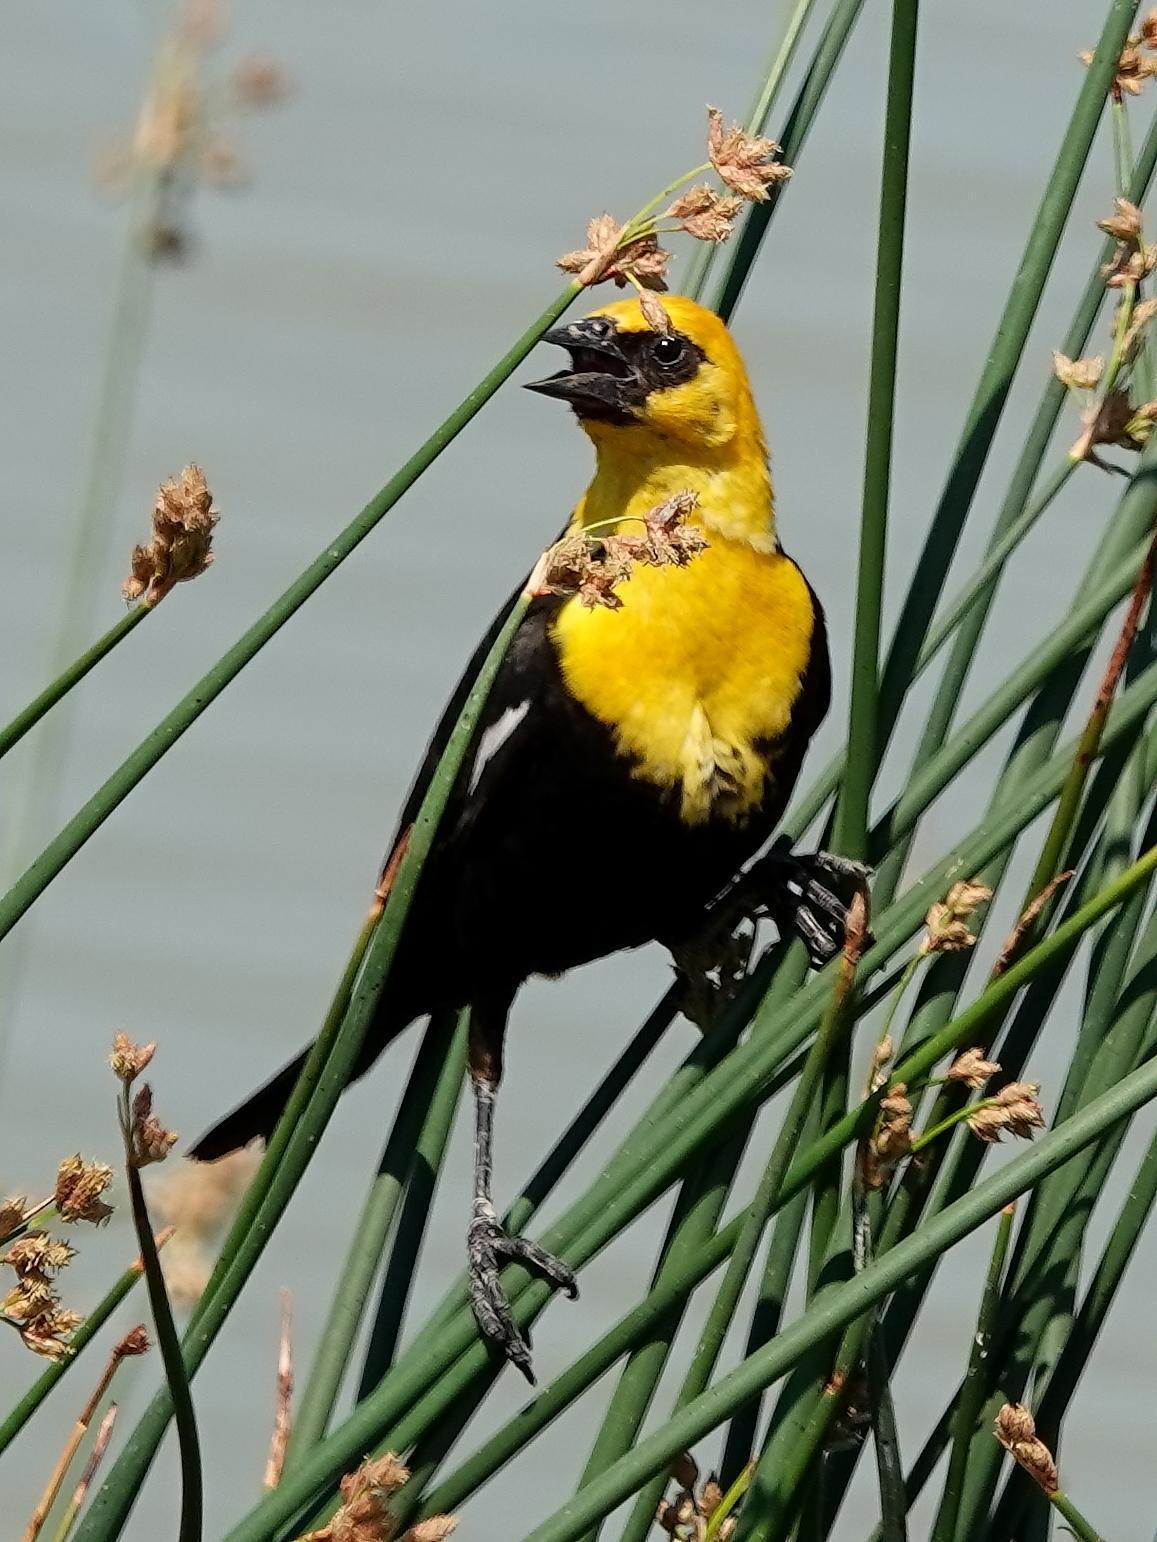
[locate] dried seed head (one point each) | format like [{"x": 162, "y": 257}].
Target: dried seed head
[
  {"x": 592, "y": 567},
  {"x": 1016, "y": 1431},
  {"x": 1078, "y": 374},
  {"x": 128, "y": 1060},
  {"x": 32, "y": 1297},
  {"x": 434, "y": 1529},
  {"x": 181, "y": 548},
  {"x": 711, "y": 1497},
  {"x": 607, "y": 255},
  {"x": 1129, "y": 266},
  {"x": 946, "y": 931},
  {"x": 79, "y": 1185},
  {"x": 744, "y": 161},
  {"x": 1023, "y": 1112},
  {"x": 705, "y": 214},
  {"x": 365, "y": 1493},
  {"x": 49, "y": 1333},
  {"x": 654, "y": 312},
  {"x": 148, "y": 1140},
  {"x": 1133, "y": 69},
  {"x": 1149, "y": 31},
  {"x": 12, "y": 1214},
  {"x": 1125, "y": 224},
  {"x": 1014, "y": 1108},
  {"x": 971, "y": 1067},
  {"x": 893, "y": 1138},
  {"x": 135, "y": 1342},
  {"x": 38, "y": 1252}
]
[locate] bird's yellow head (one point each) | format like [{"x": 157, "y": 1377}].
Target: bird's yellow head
[
  {"x": 687, "y": 384},
  {"x": 667, "y": 410}
]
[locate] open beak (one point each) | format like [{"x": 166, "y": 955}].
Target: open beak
[{"x": 601, "y": 381}]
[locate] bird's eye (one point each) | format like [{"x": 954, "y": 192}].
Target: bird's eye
[{"x": 667, "y": 350}]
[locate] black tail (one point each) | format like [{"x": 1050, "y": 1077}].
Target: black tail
[{"x": 256, "y": 1116}]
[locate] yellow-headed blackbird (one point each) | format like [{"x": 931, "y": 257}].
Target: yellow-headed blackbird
[{"x": 671, "y": 729}]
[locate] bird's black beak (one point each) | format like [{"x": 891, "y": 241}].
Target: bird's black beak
[{"x": 601, "y": 381}]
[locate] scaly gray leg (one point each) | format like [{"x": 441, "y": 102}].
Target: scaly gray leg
[{"x": 488, "y": 1247}]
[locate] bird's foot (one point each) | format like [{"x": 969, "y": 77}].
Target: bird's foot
[
  {"x": 810, "y": 896},
  {"x": 489, "y": 1247}
]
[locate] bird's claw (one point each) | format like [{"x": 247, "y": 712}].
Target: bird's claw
[
  {"x": 813, "y": 895},
  {"x": 489, "y": 1247}
]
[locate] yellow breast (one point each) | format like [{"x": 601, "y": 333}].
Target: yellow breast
[{"x": 696, "y": 675}]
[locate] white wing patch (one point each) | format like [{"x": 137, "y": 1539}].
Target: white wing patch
[{"x": 494, "y": 738}]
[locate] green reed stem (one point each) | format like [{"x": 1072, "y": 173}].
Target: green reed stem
[
  {"x": 620, "y": 1195},
  {"x": 296, "y": 1137},
  {"x": 840, "y": 1306},
  {"x": 423, "y": 1171},
  {"x": 758, "y": 120},
  {"x": 723, "y": 1308},
  {"x": 80, "y": 1340},
  {"x": 84, "y": 824},
  {"x": 12, "y": 733},
  {"x": 852, "y": 810},
  {"x": 976, "y": 1386},
  {"x": 176, "y": 1377},
  {"x": 316, "y": 1404}
]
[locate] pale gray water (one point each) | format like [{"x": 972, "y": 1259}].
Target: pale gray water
[{"x": 406, "y": 210}]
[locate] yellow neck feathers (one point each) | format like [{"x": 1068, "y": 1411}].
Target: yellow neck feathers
[
  {"x": 698, "y": 673},
  {"x": 703, "y": 435}
]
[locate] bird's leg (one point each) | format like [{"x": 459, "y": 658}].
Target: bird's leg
[
  {"x": 488, "y": 1244},
  {"x": 808, "y": 895}
]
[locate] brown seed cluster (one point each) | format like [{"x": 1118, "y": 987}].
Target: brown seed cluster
[
  {"x": 891, "y": 1140},
  {"x": 32, "y": 1306},
  {"x": 1014, "y": 1110},
  {"x": 1109, "y": 415},
  {"x": 182, "y": 545},
  {"x": 971, "y": 1068},
  {"x": 630, "y": 253},
  {"x": 79, "y": 1186},
  {"x": 184, "y": 134},
  {"x": 146, "y": 1139},
  {"x": 745, "y": 162},
  {"x": 687, "y": 1516},
  {"x": 1016, "y": 1431},
  {"x": 364, "y": 1516},
  {"x": 1137, "y": 62},
  {"x": 593, "y": 566},
  {"x": 611, "y": 252},
  {"x": 945, "y": 926}
]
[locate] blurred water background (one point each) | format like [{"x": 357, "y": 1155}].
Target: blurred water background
[{"x": 405, "y": 210}]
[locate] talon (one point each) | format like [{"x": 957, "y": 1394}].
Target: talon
[
  {"x": 805, "y": 905},
  {"x": 488, "y": 1245}
]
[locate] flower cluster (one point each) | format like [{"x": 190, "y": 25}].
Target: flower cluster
[
  {"x": 32, "y": 1305},
  {"x": 945, "y": 927},
  {"x": 746, "y": 165},
  {"x": 1016, "y": 1431},
  {"x": 183, "y": 133},
  {"x": 1103, "y": 390},
  {"x": 146, "y": 1139},
  {"x": 1013, "y": 1110},
  {"x": 687, "y": 1516},
  {"x": 593, "y": 566},
  {"x": 1137, "y": 63},
  {"x": 182, "y": 543},
  {"x": 364, "y": 1516}
]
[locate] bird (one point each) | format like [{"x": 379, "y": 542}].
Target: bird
[{"x": 632, "y": 759}]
